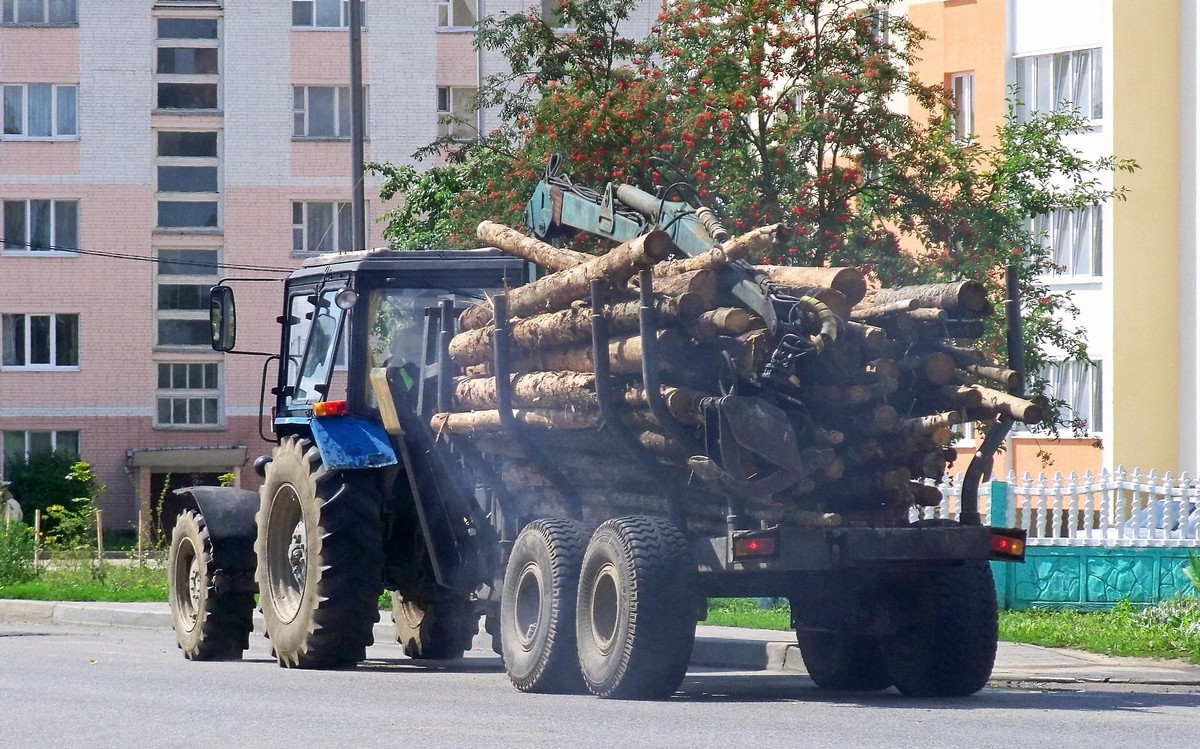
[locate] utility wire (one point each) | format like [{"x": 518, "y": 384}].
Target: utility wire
[{"x": 6, "y": 242}]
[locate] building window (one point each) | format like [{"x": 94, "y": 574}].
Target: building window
[
  {"x": 40, "y": 342},
  {"x": 324, "y": 14},
  {"x": 457, "y": 13},
  {"x": 41, "y": 110},
  {"x": 1078, "y": 384},
  {"x": 20, "y": 445},
  {"x": 322, "y": 227},
  {"x": 41, "y": 226},
  {"x": 188, "y": 395},
  {"x": 456, "y": 112},
  {"x": 182, "y": 280},
  {"x": 1045, "y": 82},
  {"x": 188, "y": 181},
  {"x": 187, "y": 70},
  {"x": 962, "y": 91},
  {"x": 323, "y": 111},
  {"x": 1075, "y": 239},
  {"x": 39, "y": 12}
]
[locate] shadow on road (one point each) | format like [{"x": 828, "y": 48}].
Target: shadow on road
[{"x": 749, "y": 687}]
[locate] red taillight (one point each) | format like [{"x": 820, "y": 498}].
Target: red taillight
[
  {"x": 758, "y": 546},
  {"x": 1007, "y": 547},
  {"x": 331, "y": 408}
]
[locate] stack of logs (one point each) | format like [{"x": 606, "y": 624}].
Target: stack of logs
[{"x": 872, "y": 409}]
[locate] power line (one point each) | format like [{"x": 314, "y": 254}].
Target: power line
[{"x": 6, "y": 242}]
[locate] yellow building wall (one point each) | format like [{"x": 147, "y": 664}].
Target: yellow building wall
[{"x": 1144, "y": 116}]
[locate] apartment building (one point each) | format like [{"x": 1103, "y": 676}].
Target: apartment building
[
  {"x": 1131, "y": 69},
  {"x": 152, "y": 148}
]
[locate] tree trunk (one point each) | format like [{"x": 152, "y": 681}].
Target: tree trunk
[
  {"x": 488, "y": 422},
  {"x": 751, "y": 243},
  {"x": 963, "y": 298},
  {"x": 565, "y": 390}
]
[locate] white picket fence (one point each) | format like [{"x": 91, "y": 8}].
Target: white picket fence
[{"x": 1110, "y": 509}]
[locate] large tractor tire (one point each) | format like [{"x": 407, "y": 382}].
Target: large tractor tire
[
  {"x": 842, "y": 661},
  {"x": 212, "y": 623},
  {"x": 636, "y": 614},
  {"x": 537, "y": 607},
  {"x": 319, "y": 550},
  {"x": 437, "y": 629},
  {"x": 948, "y": 628}
]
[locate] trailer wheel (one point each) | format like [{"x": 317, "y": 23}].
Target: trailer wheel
[
  {"x": 438, "y": 629},
  {"x": 537, "y": 607},
  {"x": 945, "y": 645},
  {"x": 319, "y": 549},
  {"x": 211, "y": 623},
  {"x": 842, "y": 661},
  {"x": 635, "y": 618}
]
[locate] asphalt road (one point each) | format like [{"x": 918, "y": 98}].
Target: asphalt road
[{"x": 63, "y": 686}]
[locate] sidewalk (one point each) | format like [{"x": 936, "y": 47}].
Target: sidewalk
[{"x": 717, "y": 647}]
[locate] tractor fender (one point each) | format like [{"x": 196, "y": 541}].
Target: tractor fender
[
  {"x": 229, "y": 514},
  {"x": 352, "y": 442}
]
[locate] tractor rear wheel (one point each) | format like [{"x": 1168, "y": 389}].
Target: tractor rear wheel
[
  {"x": 211, "y": 622},
  {"x": 635, "y": 618},
  {"x": 319, "y": 549},
  {"x": 537, "y": 607},
  {"x": 945, "y": 645}
]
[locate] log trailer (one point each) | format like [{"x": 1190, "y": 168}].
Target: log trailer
[{"x": 587, "y": 512}]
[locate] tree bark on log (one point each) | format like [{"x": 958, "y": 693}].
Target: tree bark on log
[
  {"x": 1027, "y": 411},
  {"x": 624, "y": 355},
  {"x": 488, "y": 422},
  {"x": 565, "y": 390},
  {"x": 966, "y": 298},
  {"x": 529, "y": 248},
  {"x": 848, "y": 281},
  {"x": 559, "y": 290},
  {"x": 751, "y": 243},
  {"x": 572, "y": 325}
]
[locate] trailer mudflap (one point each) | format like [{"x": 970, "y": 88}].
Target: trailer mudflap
[{"x": 837, "y": 548}]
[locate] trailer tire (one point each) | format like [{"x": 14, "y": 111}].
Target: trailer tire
[
  {"x": 842, "y": 661},
  {"x": 635, "y": 618},
  {"x": 320, "y": 555},
  {"x": 537, "y": 607},
  {"x": 945, "y": 644},
  {"x": 438, "y": 629},
  {"x": 212, "y": 622}
]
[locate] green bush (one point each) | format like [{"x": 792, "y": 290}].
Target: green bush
[
  {"x": 71, "y": 525},
  {"x": 16, "y": 553},
  {"x": 45, "y": 479}
]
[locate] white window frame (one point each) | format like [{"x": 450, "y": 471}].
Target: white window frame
[
  {"x": 962, "y": 91},
  {"x": 1045, "y": 81},
  {"x": 201, "y": 278},
  {"x": 52, "y": 342},
  {"x": 23, "y": 245},
  {"x": 1072, "y": 381},
  {"x": 57, "y": 91},
  {"x": 1076, "y": 241},
  {"x": 188, "y": 196},
  {"x": 340, "y": 211},
  {"x": 165, "y": 42},
  {"x": 9, "y": 13},
  {"x": 27, "y": 448},
  {"x": 454, "y": 101},
  {"x": 302, "y": 119},
  {"x": 449, "y": 14},
  {"x": 343, "y": 19},
  {"x": 188, "y": 394}
]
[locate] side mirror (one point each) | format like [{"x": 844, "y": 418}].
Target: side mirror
[{"x": 222, "y": 317}]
